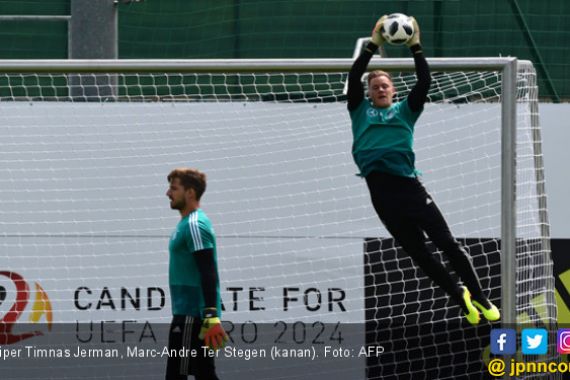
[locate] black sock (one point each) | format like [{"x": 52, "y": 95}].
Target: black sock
[{"x": 460, "y": 300}]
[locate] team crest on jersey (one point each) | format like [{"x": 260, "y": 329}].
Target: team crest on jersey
[
  {"x": 390, "y": 114},
  {"x": 372, "y": 112}
]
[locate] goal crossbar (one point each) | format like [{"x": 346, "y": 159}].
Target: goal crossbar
[{"x": 245, "y": 65}]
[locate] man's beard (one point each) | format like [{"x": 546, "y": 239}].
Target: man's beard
[{"x": 176, "y": 205}]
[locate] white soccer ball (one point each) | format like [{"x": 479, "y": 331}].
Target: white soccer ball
[{"x": 397, "y": 29}]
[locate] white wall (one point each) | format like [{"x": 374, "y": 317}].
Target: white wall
[{"x": 555, "y": 122}]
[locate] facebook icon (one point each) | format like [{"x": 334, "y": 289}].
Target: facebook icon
[{"x": 503, "y": 341}]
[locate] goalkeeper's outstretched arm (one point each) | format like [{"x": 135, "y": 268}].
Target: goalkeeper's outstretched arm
[
  {"x": 355, "y": 92},
  {"x": 418, "y": 95}
]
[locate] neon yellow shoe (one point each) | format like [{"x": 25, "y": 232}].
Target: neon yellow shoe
[
  {"x": 473, "y": 317},
  {"x": 492, "y": 314}
]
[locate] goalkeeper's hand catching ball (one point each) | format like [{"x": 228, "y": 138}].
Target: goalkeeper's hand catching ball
[
  {"x": 415, "y": 39},
  {"x": 212, "y": 332},
  {"x": 376, "y": 37}
]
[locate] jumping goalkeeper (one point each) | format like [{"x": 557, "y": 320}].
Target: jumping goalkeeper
[{"x": 383, "y": 133}]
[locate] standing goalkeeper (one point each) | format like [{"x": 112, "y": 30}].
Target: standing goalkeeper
[
  {"x": 194, "y": 282},
  {"x": 382, "y": 149}
]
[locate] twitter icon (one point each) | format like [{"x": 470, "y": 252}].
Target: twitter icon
[{"x": 534, "y": 341}]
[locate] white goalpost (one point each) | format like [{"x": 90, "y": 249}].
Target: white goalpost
[{"x": 304, "y": 262}]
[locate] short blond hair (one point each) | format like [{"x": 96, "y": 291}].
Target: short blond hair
[{"x": 378, "y": 73}]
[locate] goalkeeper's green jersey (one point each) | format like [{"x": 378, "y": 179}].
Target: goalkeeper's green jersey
[
  {"x": 383, "y": 138},
  {"x": 192, "y": 234}
]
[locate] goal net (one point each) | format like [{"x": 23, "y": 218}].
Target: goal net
[{"x": 306, "y": 267}]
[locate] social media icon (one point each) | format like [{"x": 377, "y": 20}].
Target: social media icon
[
  {"x": 534, "y": 341},
  {"x": 504, "y": 341},
  {"x": 563, "y": 341}
]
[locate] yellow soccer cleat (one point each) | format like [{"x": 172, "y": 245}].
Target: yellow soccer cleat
[
  {"x": 492, "y": 313},
  {"x": 473, "y": 317}
]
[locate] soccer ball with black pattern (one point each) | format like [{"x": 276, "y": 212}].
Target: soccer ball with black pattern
[{"x": 397, "y": 29}]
